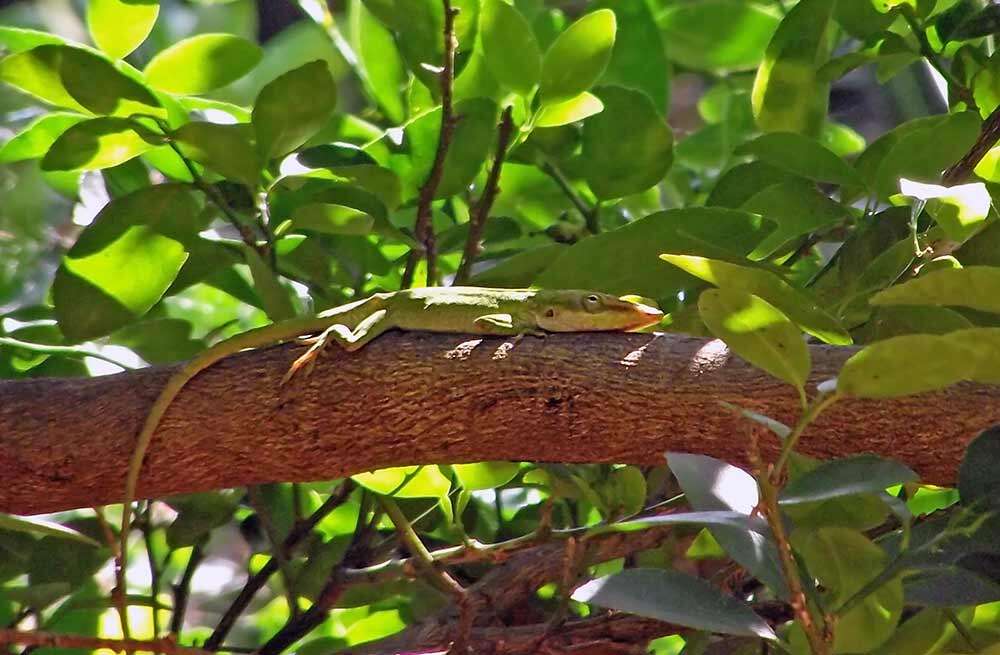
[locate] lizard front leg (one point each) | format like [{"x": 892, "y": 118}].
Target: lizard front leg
[{"x": 350, "y": 340}]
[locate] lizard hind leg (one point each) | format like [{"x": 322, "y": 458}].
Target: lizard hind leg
[{"x": 349, "y": 340}]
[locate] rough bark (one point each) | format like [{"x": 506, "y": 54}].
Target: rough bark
[{"x": 423, "y": 399}]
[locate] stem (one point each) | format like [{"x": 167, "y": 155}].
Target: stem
[
  {"x": 424, "y": 229},
  {"x": 586, "y": 211},
  {"x": 425, "y": 560},
  {"x": 277, "y": 547},
  {"x": 68, "y": 351},
  {"x": 182, "y": 590},
  {"x": 934, "y": 60},
  {"x": 119, "y": 592},
  {"x": 295, "y": 536},
  {"x": 154, "y": 567},
  {"x": 477, "y": 223},
  {"x": 989, "y": 134},
  {"x": 811, "y": 414}
]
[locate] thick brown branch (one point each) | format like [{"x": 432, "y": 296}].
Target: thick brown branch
[
  {"x": 412, "y": 398},
  {"x": 477, "y": 222},
  {"x": 35, "y": 638},
  {"x": 989, "y": 134}
]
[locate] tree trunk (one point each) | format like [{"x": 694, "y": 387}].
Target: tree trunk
[{"x": 435, "y": 398}]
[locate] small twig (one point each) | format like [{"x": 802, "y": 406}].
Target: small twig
[
  {"x": 423, "y": 228},
  {"x": 69, "y": 351},
  {"x": 278, "y": 552},
  {"x": 119, "y": 592},
  {"x": 477, "y": 222},
  {"x": 295, "y": 536},
  {"x": 146, "y": 527},
  {"x": 932, "y": 57},
  {"x": 48, "y": 639},
  {"x": 182, "y": 590},
  {"x": 989, "y": 134},
  {"x": 814, "y": 632},
  {"x": 423, "y": 558},
  {"x": 585, "y": 210}
]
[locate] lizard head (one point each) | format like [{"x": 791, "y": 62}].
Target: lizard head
[{"x": 590, "y": 311}]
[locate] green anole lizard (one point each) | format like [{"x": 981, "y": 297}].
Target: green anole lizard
[{"x": 460, "y": 310}]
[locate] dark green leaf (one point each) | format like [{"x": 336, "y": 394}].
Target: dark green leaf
[
  {"x": 293, "y": 107},
  {"x": 578, "y": 57},
  {"x": 638, "y": 60},
  {"x": 197, "y": 515},
  {"x": 846, "y": 477},
  {"x": 800, "y": 155},
  {"x": 977, "y": 476},
  {"x": 697, "y": 38},
  {"x": 332, "y": 219},
  {"x": 798, "y": 208},
  {"x": 202, "y": 63},
  {"x": 36, "y": 139},
  {"x": 43, "y": 528},
  {"x": 742, "y": 182},
  {"x": 676, "y": 598},
  {"x": 628, "y": 147},
  {"x": 99, "y": 143},
  {"x": 226, "y": 149},
  {"x": 788, "y": 94},
  {"x": 123, "y": 262},
  {"x": 79, "y": 80}
]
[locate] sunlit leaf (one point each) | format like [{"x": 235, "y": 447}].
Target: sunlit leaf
[{"x": 202, "y": 62}]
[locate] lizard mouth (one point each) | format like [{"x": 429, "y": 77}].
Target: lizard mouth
[{"x": 645, "y": 316}]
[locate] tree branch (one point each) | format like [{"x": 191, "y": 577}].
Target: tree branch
[
  {"x": 424, "y": 228},
  {"x": 37, "y": 638},
  {"x": 421, "y": 398},
  {"x": 989, "y": 134},
  {"x": 477, "y": 222}
]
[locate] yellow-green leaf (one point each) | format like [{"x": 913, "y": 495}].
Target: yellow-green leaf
[
  {"x": 901, "y": 366},
  {"x": 976, "y": 287},
  {"x": 569, "y": 111},
  {"x": 119, "y": 26},
  {"x": 578, "y": 57},
  {"x": 99, "y": 143},
  {"x": 202, "y": 63}
]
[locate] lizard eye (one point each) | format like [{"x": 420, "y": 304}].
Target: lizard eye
[
  {"x": 592, "y": 298},
  {"x": 550, "y": 313}
]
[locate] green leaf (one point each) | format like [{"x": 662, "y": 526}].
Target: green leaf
[
  {"x": 79, "y": 80},
  {"x": 199, "y": 514},
  {"x": 841, "y": 140},
  {"x": 569, "y": 111},
  {"x": 332, "y": 219},
  {"x": 861, "y": 19},
  {"x": 578, "y": 57},
  {"x": 518, "y": 270},
  {"x": 99, "y": 143},
  {"x": 509, "y": 46},
  {"x": 57, "y": 559},
  {"x": 976, "y": 287},
  {"x": 795, "y": 304},
  {"x": 843, "y": 562},
  {"x": 43, "y": 528},
  {"x": 676, "y": 598},
  {"x": 628, "y": 147},
  {"x": 202, "y": 63},
  {"x": 485, "y": 475},
  {"x": 924, "y": 152},
  {"x": 698, "y": 39},
  {"x": 226, "y": 149},
  {"x": 758, "y": 333},
  {"x": 406, "y": 482},
  {"x": 798, "y": 208},
  {"x": 292, "y": 108},
  {"x": 638, "y": 60},
  {"x": 788, "y": 94},
  {"x": 595, "y": 262},
  {"x": 977, "y": 475},
  {"x": 274, "y": 297},
  {"x": 961, "y": 210},
  {"x": 382, "y": 70},
  {"x": 118, "y": 26},
  {"x": 744, "y": 181},
  {"x": 122, "y": 263},
  {"x": 801, "y": 155},
  {"x": 19, "y": 39},
  {"x": 905, "y": 365},
  {"x": 846, "y": 477},
  {"x": 36, "y": 139}
]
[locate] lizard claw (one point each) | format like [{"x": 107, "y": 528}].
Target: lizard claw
[{"x": 307, "y": 361}]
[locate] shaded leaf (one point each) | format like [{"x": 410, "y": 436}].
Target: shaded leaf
[
  {"x": 578, "y": 57},
  {"x": 509, "y": 46},
  {"x": 99, "y": 143},
  {"x": 226, "y": 149},
  {"x": 638, "y": 60},
  {"x": 977, "y": 475},
  {"x": 698, "y": 39},
  {"x": 292, "y": 108},
  {"x": 801, "y": 155},
  {"x": 674, "y": 597},
  {"x": 845, "y": 477},
  {"x": 41, "y": 527},
  {"x": 36, "y": 139}
]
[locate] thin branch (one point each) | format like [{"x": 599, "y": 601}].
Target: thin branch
[
  {"x": 438, "y": 577},
  {"x": 299, "y": 531},
  {"x": 182, "y": 590},
  {"x": 477, "y": 222},
  {"x": 588, "y": 212},
  {"x": 989, "y": 134},
  {"x": 424, "y": 229},
  {"x": 277, "y": 546},
  {"x": 119, "y": 592},
  {"x": 68, "y": 351},
  {"x": 155, "y": 573},
  {"x": 48, "y": 639}
]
